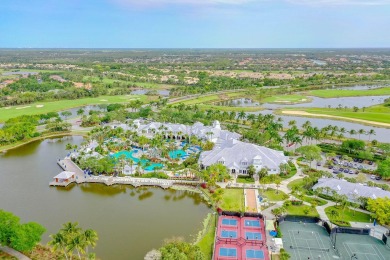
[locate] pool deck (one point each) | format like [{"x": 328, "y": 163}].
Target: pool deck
[{"x": 68, "y": 165}]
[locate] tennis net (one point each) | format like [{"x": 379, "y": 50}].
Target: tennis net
[{"x": 310, "y": 248}]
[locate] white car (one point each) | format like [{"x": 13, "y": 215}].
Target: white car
[{"x": 373, "y": 177}]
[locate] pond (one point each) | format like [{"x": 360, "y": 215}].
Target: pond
[
  {"x": 129, "y": 221},
  {"x": 382, "y": 134},
  {"x": 163, "y": 92},
  {"x": 239, "y": 102},
  {"x": 335, "y": 102}
]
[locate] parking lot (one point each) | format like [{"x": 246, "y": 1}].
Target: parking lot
[{"x": 349, "y": 169}]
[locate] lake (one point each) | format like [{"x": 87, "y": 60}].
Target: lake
[{"x": 129, "y": 221}]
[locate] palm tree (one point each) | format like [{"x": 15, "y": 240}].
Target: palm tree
[
  {"x": 371, "y": 132},
  {"x": 360, "y": 132},
  {"x": 77, "y": 243},
  {"x": 58, "y": 241},
  {"x": 333, "y": 214},
  {"x": 90, "y": 237},
  {"x": 352, "y": 132}
]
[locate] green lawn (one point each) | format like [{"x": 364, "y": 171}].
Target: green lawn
[
  {"x": 232, "y": 200},
  {"x": 300, "y": 211},
  {"x": 332, "y": 93},
  {"x": 245, "y": 179},
  {"x": 347, "y": 215},
  {"x": 54, "y": 106},
  {"x": 295, "y": 183},
  {"x": 378, "y": 113},
  {"x": 280, "y": 99},
  {"x": 207, "y": 242},
  {"x": 209, "y": 98},
  {"x": 319, "y": 202},
  {"x": 272, "y": 195}
]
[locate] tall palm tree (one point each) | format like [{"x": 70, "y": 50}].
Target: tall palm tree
[
  {"x": 58, "y": 241},
  {"x": 333, "y": 214},
  {"x": 360, "y": 132},
  {"x": 90, "y": 237},
  {"x": 371, "y": 132}
]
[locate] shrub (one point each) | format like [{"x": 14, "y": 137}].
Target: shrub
[
  {"x": 296, "y": 202},
  {"x": 279, "y": 233}
]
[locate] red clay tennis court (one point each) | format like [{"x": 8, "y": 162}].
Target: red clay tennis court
[{"x": 240, "y": 238}]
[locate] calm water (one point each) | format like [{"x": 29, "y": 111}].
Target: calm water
[
  {"x": 130, "y": 222},
  {"x": 239, "y": 102},
  {"x": 163, "y": 92},
  {"x": 382, "y": 134},
  {"x": 335, "y": 102}
]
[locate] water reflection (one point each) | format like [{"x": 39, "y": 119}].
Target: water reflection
[{"x": 123, "y": 222}]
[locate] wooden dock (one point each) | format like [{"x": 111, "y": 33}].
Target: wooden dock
[{"x": 68, "y": 165}]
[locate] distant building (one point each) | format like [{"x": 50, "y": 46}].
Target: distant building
[
  {"x": 237, "y": 156},
  {"x": 352, "y": 190},
  {"x": 212, "y": 133}
]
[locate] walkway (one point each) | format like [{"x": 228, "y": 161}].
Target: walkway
[
  {"x": 14, "y": 253},
  {"x": 250, "y": 200}
]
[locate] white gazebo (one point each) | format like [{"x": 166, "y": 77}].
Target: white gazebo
[{"x": 64, "y": 177}]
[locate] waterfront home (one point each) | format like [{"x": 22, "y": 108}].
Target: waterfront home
[
  {"x": 237, "y": 156},
  {"x": 352, "y": 190}
]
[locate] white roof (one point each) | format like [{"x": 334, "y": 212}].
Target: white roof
[
  {"x": 351, "y": 190},
  {"x": 64, "y": 175},
  {"x": 235, "y": 152}
]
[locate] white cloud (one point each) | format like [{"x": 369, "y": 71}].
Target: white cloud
[
  {"x": 244, "y": 2},
  {"x": 340, "y": 2},
  {"x": 184, "y": 2}
]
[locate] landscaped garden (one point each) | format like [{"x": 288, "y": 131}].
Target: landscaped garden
[
  {"x": 274, "y": 195},
  {"x": 233, "y": 200},
  {"x": 302, "y": 210},
  {"x": 245, "y": 179},
  {"x": 342, "y": 216}
]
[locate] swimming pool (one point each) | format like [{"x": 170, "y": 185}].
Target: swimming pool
[
  {"x": 177, "y": 154},
  {"x": 129, "y": 155}
]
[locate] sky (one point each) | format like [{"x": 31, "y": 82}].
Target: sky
[{"x": 194, "y": 23}]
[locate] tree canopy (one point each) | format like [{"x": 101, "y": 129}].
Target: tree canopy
[
  {"x": 381, "y": 208},
  {"x": 179, "y": 250},
  {"x": 21, "y": 237}
]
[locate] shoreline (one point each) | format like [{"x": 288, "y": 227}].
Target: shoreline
[
  {"x": 6, "y": 148},
  {"x": 340, "y": 118}
]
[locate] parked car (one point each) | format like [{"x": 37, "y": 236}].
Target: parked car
[
  {"x": 346, "y": 171},
  {"x": 360, "y": 160},
  {"x": 341, "y": 169},
  {"x": 318, "y": 163},
  {"x": 350, "y": 164},
  {"x": 370, "y": 163},
  {"x": 378, "y": 178},
  {"x": 373, "y": 177},
  {"x": 330, "y": 167},
  {"x": 351, "y": 172},
  {"x": 335, "y": 171},
  {"x": 355, "y": 159},
  {"x": 360, "y": 167},
  {"x": 345, "y": 164}
]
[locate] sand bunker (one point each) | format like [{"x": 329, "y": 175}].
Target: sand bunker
[
  {"x": 103, "y": 100},
  {"x": 39, "y": 106},
  {"x": 304, "y": 113},
  {"x": 23, "y": 107}
]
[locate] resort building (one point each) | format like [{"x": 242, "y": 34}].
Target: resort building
[
  {"x": 237, "y": 156},
  {"x": 352, "y": 190},
  {"x": 212, "y": 133}
]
